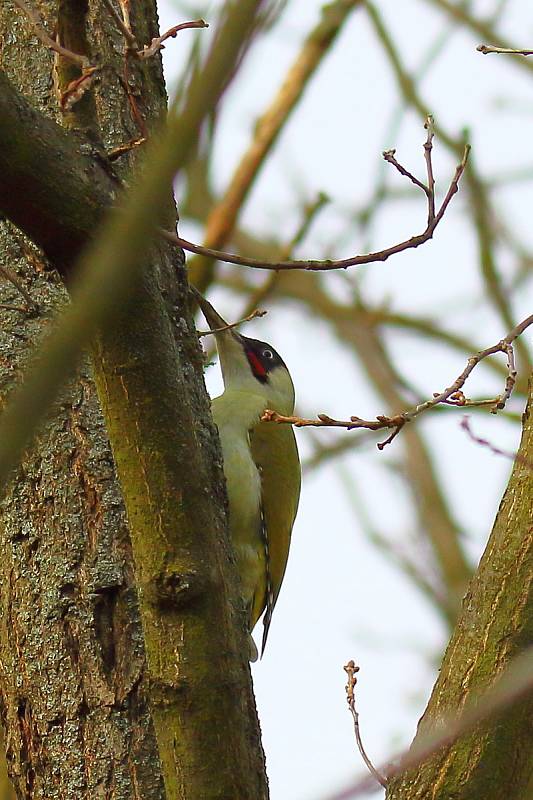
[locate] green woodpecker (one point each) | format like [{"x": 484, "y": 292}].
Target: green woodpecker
[{"x": 261, "y": 464}]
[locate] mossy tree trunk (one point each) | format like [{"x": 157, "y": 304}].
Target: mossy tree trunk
[
  {"x": 123, "y": 669},
  {"x": 495, "y": 761}
]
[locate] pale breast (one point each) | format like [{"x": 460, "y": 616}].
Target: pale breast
[{"x": 243, "y": 484}]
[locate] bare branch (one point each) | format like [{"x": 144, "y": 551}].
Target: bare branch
[
  {"x": 381, "y": 255},
  {"x": 254, "y": 314},
  {"x": 125, "y": 8},
  {"x": 77, "y": 88},
  {"x": 351, "y": 670},
  {"x": 122, "y": 149},
  {"x": 390, "y": 158},
  {"x": 40, "y": 32},
  {"x": 513, "y": 684},
  {"x": 486, "y": 49},
  {"x": 17, "y": 283},
  {"x": 483, "y": 213},
  {"x": 126, "y": 31},
  {"x": 157, "y": 43},
  {"x": 428, "y": 146},
  {"x": 452, "y": 396},
  {"x": 513, "y": 456}
]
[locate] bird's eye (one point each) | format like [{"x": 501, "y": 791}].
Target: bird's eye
[{"x": 268, "y": 354}]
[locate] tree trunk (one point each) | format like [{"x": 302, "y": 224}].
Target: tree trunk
[
  {"x": 105, "y": 691},
  {"x": 495, "y": 761}
]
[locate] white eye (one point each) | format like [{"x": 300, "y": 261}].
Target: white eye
[{"x": 268, "y": 354}]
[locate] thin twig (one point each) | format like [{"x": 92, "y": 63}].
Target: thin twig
[
  {"x": 256, "y": 313},
  {"x": 351, "y": 670},
  {"x": 513, "y": 684},
  {"x": 390, "y": 157},
  {"x": 453, "y": 396},
  {"x": 47, "y": 40},
  {"x": 126, "y": 31},
  {"x": 121, "y": 149},
  {"x": 77, "y": 88},
  {"x": 157, "y": 43},
  {"x": 17, "y": 283},
  {"x": 381, "y": 255},
  {"x": 486, "y": 49},
  {"x": 125, "y": 8},
  {"x": 513, "y": 456},
  {"x": 428, "y": 147}
]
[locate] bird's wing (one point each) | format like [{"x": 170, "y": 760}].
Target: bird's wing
[{"x": 275, "y": 453}]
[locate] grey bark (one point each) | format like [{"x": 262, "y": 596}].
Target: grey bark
[
  {"x": 73, "y": 694},
  {"x": 74, "y": 682}
]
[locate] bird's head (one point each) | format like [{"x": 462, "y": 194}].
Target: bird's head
[{"x": 250, "y": 365}]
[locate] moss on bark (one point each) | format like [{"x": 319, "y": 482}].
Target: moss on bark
[{"x": 495, "y": 761}]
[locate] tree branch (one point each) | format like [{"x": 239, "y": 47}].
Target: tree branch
[
  {"x": 478, "y": 720},
  {"x": 482, "y": 212},
  {"x": 55, "y": 187},
  {"x": 452, "y": 396},
  {"x": 223, "y": 216},
  {"x": 351, "y": 670},
  {"x": 42, "y": 35},
  {"x": 380, "y": 255},
  {"x": 157, "y": 43},
  {"x": 487, "y": 48}
]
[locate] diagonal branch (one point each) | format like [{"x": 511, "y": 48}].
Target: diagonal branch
[
  {"x": 248, "y": 318},
  {"x": 223, "y": 216},
  {"x": 55, "y": 188},
  {"x": 42, "y": 35}
]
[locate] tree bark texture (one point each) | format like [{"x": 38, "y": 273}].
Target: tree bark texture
[
  {"x": 123, "y": 675},
  {"x": 495, "y": 761}
]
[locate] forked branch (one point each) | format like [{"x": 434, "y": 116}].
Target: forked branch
[
  {"x": 452, "y": 396},
  {"x": 434, "y": 217}
]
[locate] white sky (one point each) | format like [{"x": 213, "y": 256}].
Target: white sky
[{"x": 341, "y": 599}]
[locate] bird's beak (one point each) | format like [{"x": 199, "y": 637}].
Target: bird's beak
[
  {"x": 213, "y": 318},
  {"x": 229, "y": 343}
]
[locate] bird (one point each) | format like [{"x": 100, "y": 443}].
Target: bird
[{"x": 260, "y": 462}]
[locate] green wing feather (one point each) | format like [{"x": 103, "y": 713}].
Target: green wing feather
[{"x": 275, "y": 453}]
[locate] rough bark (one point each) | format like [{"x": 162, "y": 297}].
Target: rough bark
[
  {"x": 52, "y": 183},
  {"x": 97, "y": 704},
  {"x": 495, "y": 761},
  {"x": 74, "y": 695}
]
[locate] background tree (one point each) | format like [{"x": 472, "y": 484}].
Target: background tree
[{"x": 100, "y": 595}]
